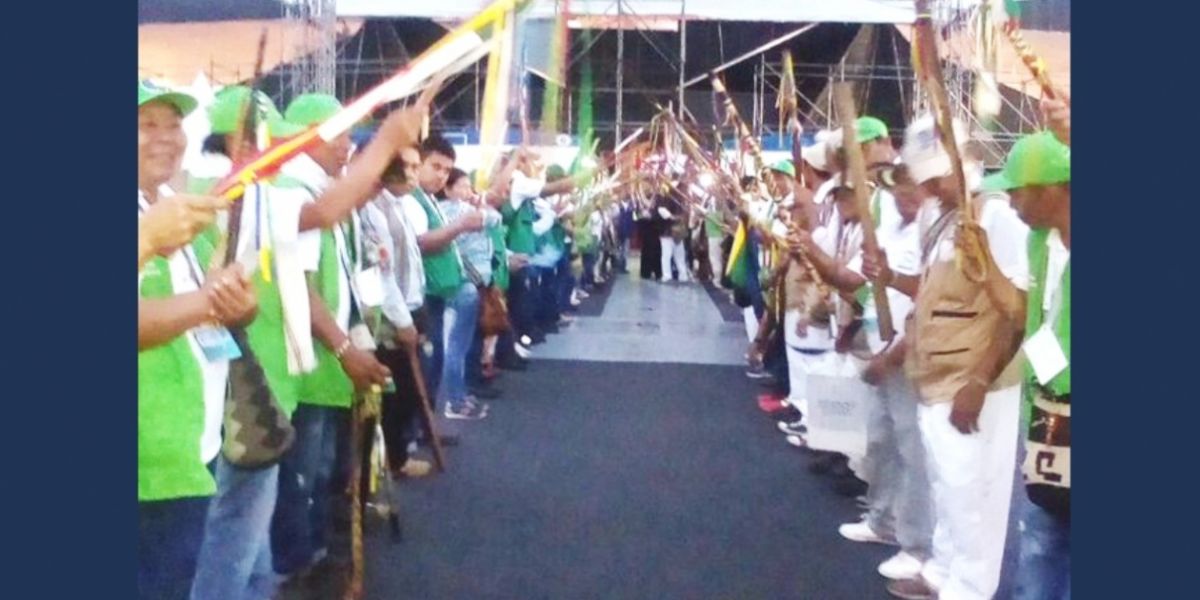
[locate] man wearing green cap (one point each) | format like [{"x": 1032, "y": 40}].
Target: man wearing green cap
[
  {"x": 341, "y": 287},
  {"x": 1037, "y": 175},
  {"x": 183, "y": 363},
  {"x": 961, "y": 355}
]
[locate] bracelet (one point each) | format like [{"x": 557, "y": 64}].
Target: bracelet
[{"x": 341, "y": 350}]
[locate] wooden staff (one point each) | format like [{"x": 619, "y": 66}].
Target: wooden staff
[
  {"x": 435, "y": 443},
  {"x": 971, "y": 258},
  {"x": 857, "y": 170}
]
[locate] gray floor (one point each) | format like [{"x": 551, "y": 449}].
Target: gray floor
[{"x": 648, "y": 321}]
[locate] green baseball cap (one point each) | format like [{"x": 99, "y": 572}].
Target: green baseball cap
[
  {"x": 149, "y": 91},
  {"x": 281, "y": 128},
  {"x": 312, "y": 109},
  {"x": 869, "y": 129},
  {"x": 784, "y": 166},
  {"x": 229, "y": 103},
  {"x": 1036, "y": 159}
]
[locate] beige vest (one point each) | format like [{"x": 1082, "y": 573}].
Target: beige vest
[{"x": 949, "y": 331}]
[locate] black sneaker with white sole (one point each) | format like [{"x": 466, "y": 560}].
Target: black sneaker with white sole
[{"x": 793, "y": 428}]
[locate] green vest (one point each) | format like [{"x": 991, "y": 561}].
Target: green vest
[
  {"x": 520, "y": 228},
  {"x": 171, "y": 401},
  {"x": 443, "y": 273},
  {"x": 584, "y": 240},
  {"x": 1039, "y": 261},
  {"x": 328, "y": 385},
  {"x": 499, "y": 258},
  {"x": 267, "y": 338}
]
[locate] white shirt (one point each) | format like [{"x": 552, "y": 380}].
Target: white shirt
[
  {"x": 901, "y": 244},
  {"x": 1007, "y": 238},
  {"x": 214, "y": 374},
  {"x": 524, "y": 188},
  {"x": 414, "y": 214},
  {"x": 314, "y": 178},
  {"x": 1058, "y": 257},
  {"x": 377, "y": 239}
]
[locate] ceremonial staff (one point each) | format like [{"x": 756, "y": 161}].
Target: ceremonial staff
[
  {"x": 257, "y": 431},
  {"x": 971, "y": 258},
  {"x": 857, "y": 170},
  {"x": 452, "y": 52}
]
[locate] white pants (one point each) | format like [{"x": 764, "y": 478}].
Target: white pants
[
  {"x": 714, "y": 258},
  {"x": 672, "y": 249},
  {"x": 751, "y": 321},
  {"x": 972, "y": 478},
  {"x": 799, "y": 363}
]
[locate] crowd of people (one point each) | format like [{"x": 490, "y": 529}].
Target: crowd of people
[
  {"x": 349, "y": 263},
  {"x": 972, "y": 394},
  {"x": 387, "y": 271}
]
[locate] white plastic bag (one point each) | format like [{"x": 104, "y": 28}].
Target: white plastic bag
[{"x": 838, "y": 402}]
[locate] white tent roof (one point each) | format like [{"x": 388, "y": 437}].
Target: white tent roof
[{"x": 808, "y": 11}]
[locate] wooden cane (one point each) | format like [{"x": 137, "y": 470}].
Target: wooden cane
[{"x": 426, "y": 408}]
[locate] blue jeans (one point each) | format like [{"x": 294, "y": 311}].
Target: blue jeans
[
  {"x": 546, "y": 294},
  {"x": 169, "y": 537},
  {"x": 899, "y": 497},
  {"x": 431, "y": 364},
  {"x": 235, "y": 559},
  {"x": 566, "y": 282},
  {"x": 474, "y": 364},
  {"x": 308, "y": 476},
  {"x": 462, "y": 314},
  {"x": 1045, "y": 568},
  {"x": 587, "y": 279},
  {"x": 521, "y": 303}
]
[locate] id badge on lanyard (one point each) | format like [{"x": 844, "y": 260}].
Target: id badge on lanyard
[{"x": 215, "y": 341}]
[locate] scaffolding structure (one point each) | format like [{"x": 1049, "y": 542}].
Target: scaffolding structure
[
  {"x": 314, "y": 31},
  {"x": 653, "y": 72}
]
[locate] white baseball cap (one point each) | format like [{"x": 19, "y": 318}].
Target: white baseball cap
[{"x": 923, "y": 151}]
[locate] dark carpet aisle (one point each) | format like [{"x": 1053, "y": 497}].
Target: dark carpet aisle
[{"x": 623, "y": 480}]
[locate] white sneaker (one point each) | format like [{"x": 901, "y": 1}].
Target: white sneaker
[
  {"x": 582, "y": 294},
  {"x": 901, "y": 566},
  {"x": 526, "y": 341},
  {"x": 797, "y": 441},
  {"x": 522, "y": 351},
  {"x": 861, "y": 532}
]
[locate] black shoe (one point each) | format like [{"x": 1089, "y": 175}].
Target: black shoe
[
  {"x": 823, "y": 463},
  {"x": 515, "y": 364},
  {"x": 850, "y": 487},
  {"x": 793, "y": 428},
  {"x": 486, "y": 392},
  {"x": 787, "y": 413}
]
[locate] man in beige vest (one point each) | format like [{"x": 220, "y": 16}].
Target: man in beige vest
[{"x": 961, "y": 342}]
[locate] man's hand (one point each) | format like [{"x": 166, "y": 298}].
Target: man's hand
[
  {"x": 800, "y": 241},
  {"x": 472, "y": 221},
  {"x": 517, "y": 261},
  {"x": 363, "y": 369},
  {"x": 402, "y": 127},
  {"x": 407, "y": 337},
  {"x": 173, "y": 221},
  {"x": 875, "y": 267},
  {"x": 231, "y": 295},
  {"x": 968, "y": 403},
  {"x": 877, "y": 370},
  {"x": 1057, "y": 113}
]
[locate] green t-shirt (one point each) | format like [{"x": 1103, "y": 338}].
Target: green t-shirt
[
  {"x": 520, "y": 228},
  {"x": 443, "y": 271},
  {"x": 171, "y": 410},
  {"x": 328, "y": 385}
]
